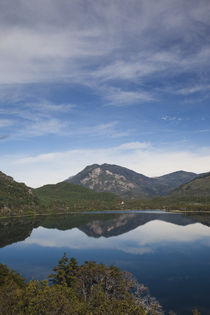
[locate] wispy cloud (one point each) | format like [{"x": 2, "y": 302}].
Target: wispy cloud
[
  {"x": 126, "y": 70},
  {"x": 193, "y": 89},
  {"x": 110, "y": 129},
  {"x": 43, "y": 127},
  {"x": 37, "y": 118},
  {"x": 106, "y": 43},
  {"x": 34, "y": 110},
  {"x": 120, "y": 97},
  {"x": 171, "y": 118},
  {"x": 6, "y": 123},
  {"x": 48, "y": 107},
  {"x": 107, "y": 129},
  {"x": 44, "y": 118}
]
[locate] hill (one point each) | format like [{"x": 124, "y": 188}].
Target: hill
[
  {"x": 192, "y": 196},
  {"x": 73, "y": 197},
  {"x": 127, "y": 183},
  {"x": 197, "y": 189},
  {"x": 15, "y": 198},
  {"x": 175, "y": 179}
]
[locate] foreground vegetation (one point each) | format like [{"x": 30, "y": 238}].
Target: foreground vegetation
[{"x": 87, "y": 289}]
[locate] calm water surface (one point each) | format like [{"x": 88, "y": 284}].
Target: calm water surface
[{"x": 169, "y": 253}]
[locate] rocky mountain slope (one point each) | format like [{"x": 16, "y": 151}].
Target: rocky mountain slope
[
  {"x": 127, "y": 183},
  {"x": 15, "y": 198}
]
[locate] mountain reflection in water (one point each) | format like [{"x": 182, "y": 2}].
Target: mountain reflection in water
[
  {"x": 95, "y": 225},
  {"x": 169, "y": 253}
]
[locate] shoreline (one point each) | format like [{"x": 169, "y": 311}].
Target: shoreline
[{"x": 176, "y": 211}]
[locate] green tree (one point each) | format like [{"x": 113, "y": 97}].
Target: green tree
[{"x": 11, "y": 291}]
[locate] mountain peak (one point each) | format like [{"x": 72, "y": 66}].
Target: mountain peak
[
  {"x": 107, "y": 178},
  {"x": 127, "y": 183}
]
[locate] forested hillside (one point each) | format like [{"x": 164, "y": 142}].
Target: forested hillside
[
  {"x": 15, "y": 198},
  {"x": 197, "y": 189},
  {"x": 74, "y": 197}
]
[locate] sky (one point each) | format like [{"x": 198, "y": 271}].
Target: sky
[{"x": 110, "y": 81}]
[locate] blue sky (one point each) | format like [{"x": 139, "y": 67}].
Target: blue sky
[{"x": 122, "y": 82}]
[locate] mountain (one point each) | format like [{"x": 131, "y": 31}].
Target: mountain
[
  {"x": 127, "y": 183},
  {"x": 15, "y": 198},
  {"x": 73, "y": 197},
  {"x": 115, "y": 179},
  {"x": 198, "y": 188},
  {"x": 175, "y": 179}
]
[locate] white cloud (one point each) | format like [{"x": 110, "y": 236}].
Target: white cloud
[
  {"x": 120, "y": 97},
  {"x": 35, "y": 110},
  {"x": 133, "y": 146},
  {"x": 43, "y": 127},
  {"x": 54, "y": 167},
  {"x": 171, "y": 118},
  {"x": 44, "y": 106}
]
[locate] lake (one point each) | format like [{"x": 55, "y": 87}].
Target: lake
[{"x": 169, "y": 253}]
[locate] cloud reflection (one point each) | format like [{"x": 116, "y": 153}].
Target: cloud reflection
[{"x": 142, "y": 240}]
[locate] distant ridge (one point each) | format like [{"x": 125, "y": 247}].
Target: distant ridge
[
  {"x": 127, "y": 183},
  {"x": 198, "y": 188}
]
